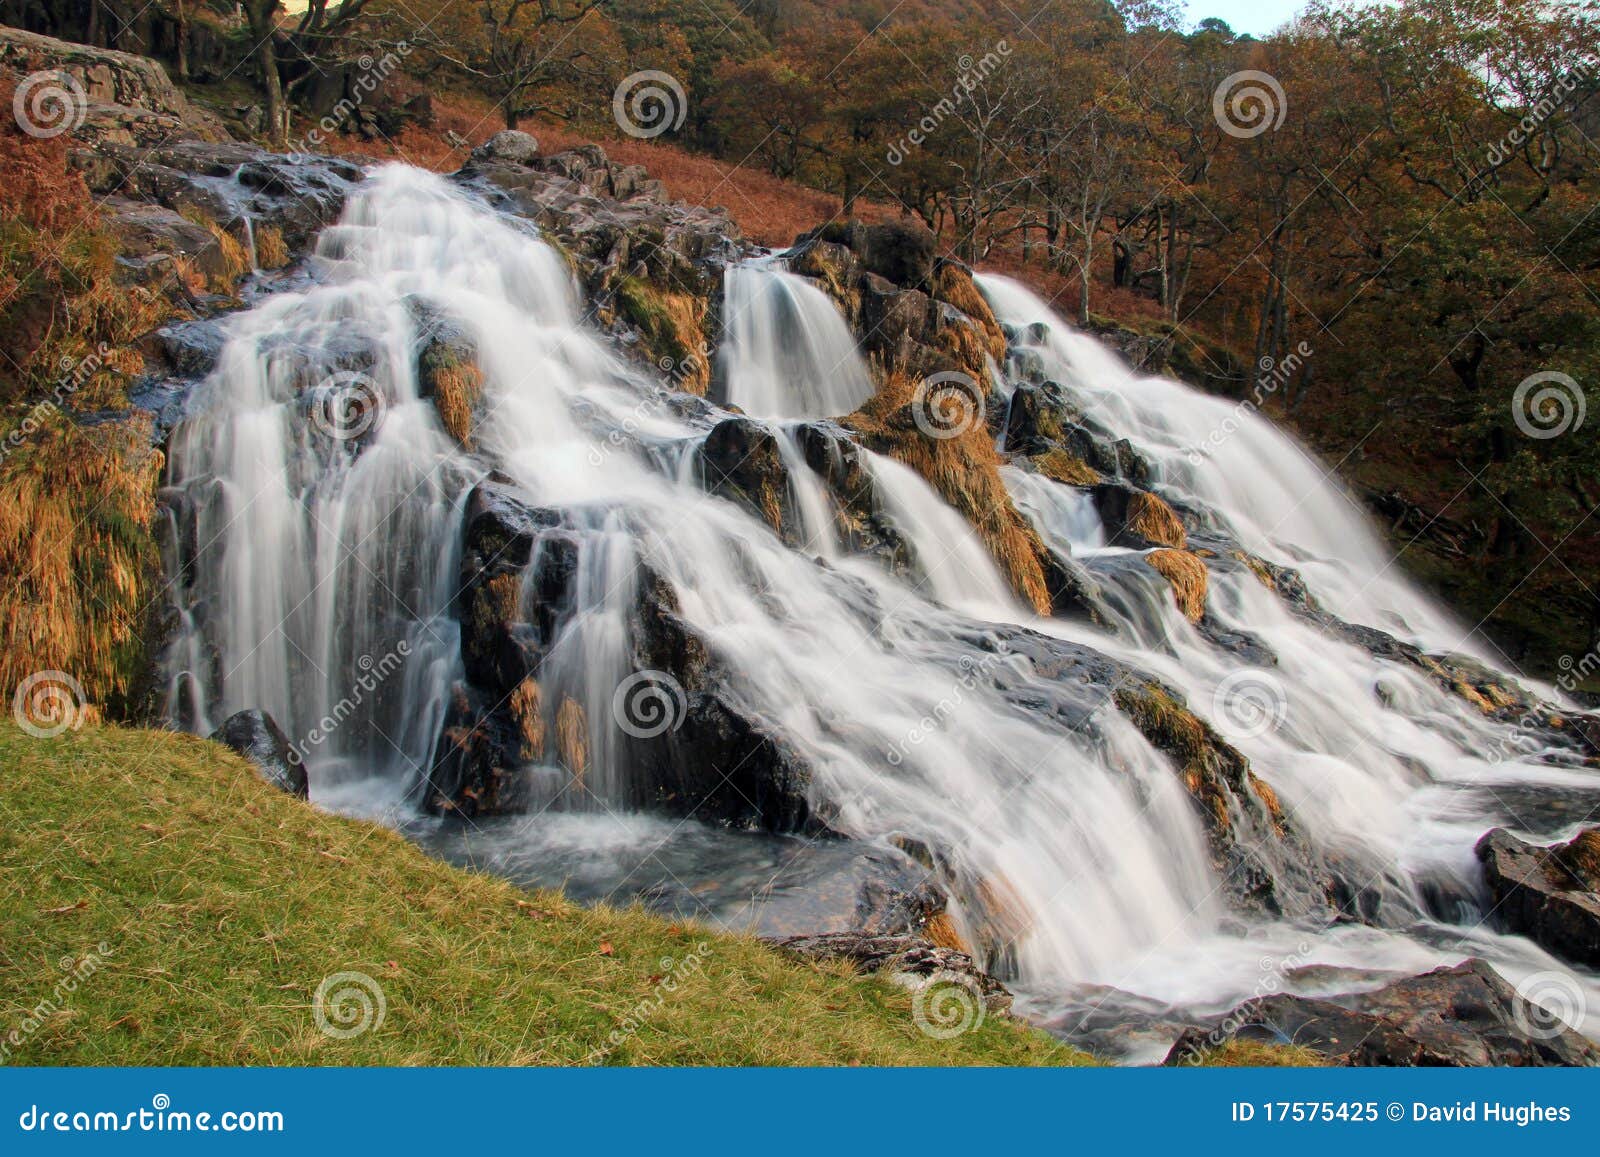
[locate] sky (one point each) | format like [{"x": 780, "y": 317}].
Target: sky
[{"x": 1258, "y": 17}]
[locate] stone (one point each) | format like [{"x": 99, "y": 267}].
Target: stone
[
  {"x": 1549, "y": 894},
  {"x": 1465, "y": 1015},
  {"x": 256, "y": 736},
  {"x": 910, "y": 961}
]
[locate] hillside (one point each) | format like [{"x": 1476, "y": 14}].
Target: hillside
[{"x": 209, "y": 907}]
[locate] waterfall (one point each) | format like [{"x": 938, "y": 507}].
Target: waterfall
[
  {"x": 318, "y": 506},
  {"x": 1377, "y": 762},
  {"x": 787, "y": 352}
]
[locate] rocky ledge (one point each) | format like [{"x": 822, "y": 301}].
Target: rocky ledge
[
  {"x": 1466, "y": 1015},
  {"x": 1549, "y": 894}
]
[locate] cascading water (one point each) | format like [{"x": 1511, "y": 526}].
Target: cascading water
[
  {"x": 1379, "y": 764},
  {"x": 788, "y": 353},
  {"x": 319, "y": 506}
]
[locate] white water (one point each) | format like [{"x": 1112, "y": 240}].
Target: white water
[
  {"x": 1072, "y": 848},
  {"x": 1376, "y": 762},
  {"x": 787, "y": 352}
]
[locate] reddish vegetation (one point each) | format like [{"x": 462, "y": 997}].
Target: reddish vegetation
[{"x": 769, "y": 210}]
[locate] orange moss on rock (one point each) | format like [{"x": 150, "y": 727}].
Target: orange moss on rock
[
  {"x": 1152, "y": 519},
  {"x": 964, "y": 469},
  {"x": 1188, "y": 578}
]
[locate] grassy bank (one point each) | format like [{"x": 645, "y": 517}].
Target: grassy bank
[{"x": 195, "y": 911}]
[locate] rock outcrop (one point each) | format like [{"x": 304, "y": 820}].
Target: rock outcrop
[
  {"x": 1549, "y": 894},
  {"x": 1466, "y": 1015},
  {"x": 121, "y": 98}
]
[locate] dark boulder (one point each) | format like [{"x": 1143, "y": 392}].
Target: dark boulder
[
  {"x": 744, "y": 464},
  {"x": 477, "y": 766},
  {"x": 517, "y": 565},
  {"x": 897, "y": 251},
  {"x": 256, "y": 736},
  {"x": 1466, "y": 1015},
  {"x": 1138, "y": 518},
  {"x": 715, "y": 758},
  {"x": 1551, "y": 895},
  {"x": 859, "y": 520}
]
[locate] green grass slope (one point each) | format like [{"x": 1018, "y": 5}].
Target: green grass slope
[{"x": 162, "y": 906}]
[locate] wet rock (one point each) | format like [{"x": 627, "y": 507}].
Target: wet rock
[
  {"x": 858, "y": 514},
  {"x": 1466, "y": 1015},
  {"x": 907, "y": 960},
  {"x": 188, "y": 349},
  {"x": 711, "y": 756},
  {"x": 504, "y": 626},
  {"x": 1549, "y": 894},
  {"x": 256, "y": 736},
  {"x": 448, "y": 374},
  {"x": 1138, "y": 519},
  {"x": 229, "y": 183},
  {"x": 744, "y": 464},
  {"x": 477, "y": 766}
]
